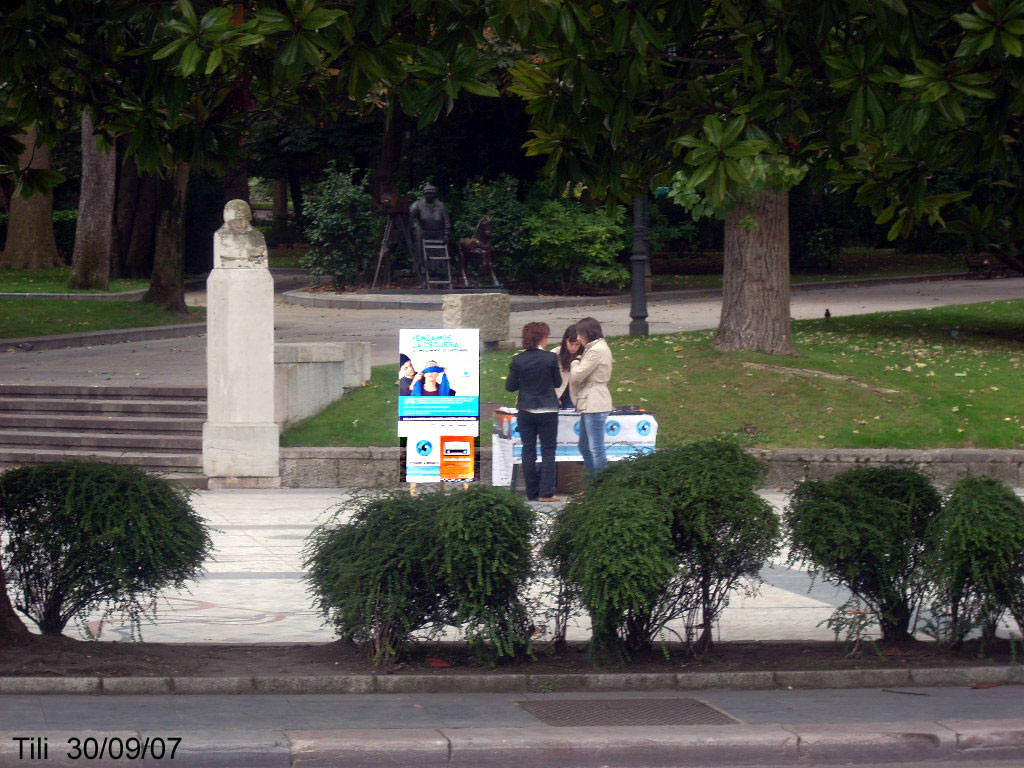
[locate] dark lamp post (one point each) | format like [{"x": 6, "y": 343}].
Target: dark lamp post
[{"x": 638, "y": 265}]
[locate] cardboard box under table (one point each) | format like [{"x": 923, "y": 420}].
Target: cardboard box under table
[{"x": 628, "y": 431}]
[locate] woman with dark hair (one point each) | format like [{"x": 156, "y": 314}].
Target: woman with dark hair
[
  {"x": 406, "y": 374},
  {"x": 534, "y": 373},
  {"x": 567, "y": 352},
  {"x": 589, "y": 375}
]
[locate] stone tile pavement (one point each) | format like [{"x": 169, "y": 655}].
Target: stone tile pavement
[{"x": 253, "y": 590}]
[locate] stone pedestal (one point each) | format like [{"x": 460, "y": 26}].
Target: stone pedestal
[
  {"x": 240, "y": 437},
  {"x": 487, "y": 311}
]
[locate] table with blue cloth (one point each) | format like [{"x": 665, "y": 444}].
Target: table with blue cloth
[{"x": 628, "y": 431}]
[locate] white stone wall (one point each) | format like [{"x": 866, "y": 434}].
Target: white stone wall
[{"x": 310, "y": 376}]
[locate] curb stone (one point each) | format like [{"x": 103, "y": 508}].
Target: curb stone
[
  {"x": 514, "y": 683},
  {"x": 91, "y": 338},
  {"x": 574, "y": 747}
]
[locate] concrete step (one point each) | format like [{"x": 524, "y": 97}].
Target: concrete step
[
  {"x": 114, "y": 407},
  {"x": 166, "y": 462},
  {"x": 104, "y": 392},
  {"x": 191, "y": 480},
  {"x": 146, "y": 441},
  {"x": 157, "y": 428},
  {"x": 112, "y": 423}
]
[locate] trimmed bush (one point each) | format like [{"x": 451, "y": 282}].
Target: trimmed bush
[
  {"x": 82, "y": 535},
  {"x": 405, "y": 564},
  {"x": 694, "y": 505},
  {"x": 615, "y": 547},
  {"x": 977, "y": 558},
  {"x": 865, "y": 529},
  {"x": 484, "y": 538},
  {"x": 373, "y": 579}
]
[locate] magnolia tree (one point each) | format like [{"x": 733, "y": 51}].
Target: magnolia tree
[
  {"x": 180, "y": 82},
  {"x": 731, "y": 100}
]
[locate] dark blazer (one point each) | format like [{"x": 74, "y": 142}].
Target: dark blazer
[{"x": 535, "y": 373}]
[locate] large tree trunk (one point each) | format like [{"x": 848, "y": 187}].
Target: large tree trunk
[
  {"x": 128, "y": 182},
  {"x": 167, "y": 286},
  {"x": 135, "y": 221},
  {"x": 755, "y": 284},
  {"x": 279, "y": 196},
  {"x": 298, "y": 204},
  {"x": 94, "y": 235},
  {"x": 12, "y": 630},
  {"x": 30, "y": 241},
  {"x": 236, "y": 182}
]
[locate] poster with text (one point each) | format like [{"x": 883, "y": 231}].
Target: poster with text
[{"x": 439, "y": 374}]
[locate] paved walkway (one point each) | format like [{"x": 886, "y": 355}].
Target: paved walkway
[
  {"x": 253, "y": 590},
  {"x": 183, "y": 360}
]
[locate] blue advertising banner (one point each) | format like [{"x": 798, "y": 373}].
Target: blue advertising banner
[{"x": 439, "y": 374}]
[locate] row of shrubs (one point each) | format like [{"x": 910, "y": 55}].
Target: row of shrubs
[
  {"x": 662, "y": 537},
  {"x": 670, "y": 536}
]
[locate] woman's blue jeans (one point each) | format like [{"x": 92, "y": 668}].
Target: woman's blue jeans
[{"x": 592, "y": 441}]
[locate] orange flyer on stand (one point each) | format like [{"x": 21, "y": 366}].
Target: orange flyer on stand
[{"x": 458, "y": 456}]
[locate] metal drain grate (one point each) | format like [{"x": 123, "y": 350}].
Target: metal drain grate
[{"x": 574, "y": 712}]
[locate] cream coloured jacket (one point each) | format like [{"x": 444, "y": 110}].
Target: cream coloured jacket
[{"x": 589, "y": 377}]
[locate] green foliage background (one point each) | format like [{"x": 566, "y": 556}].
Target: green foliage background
[{"x": 343, "y": 233}]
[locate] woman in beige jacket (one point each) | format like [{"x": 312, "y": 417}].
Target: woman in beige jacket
[{"x": 589, "y": 375}]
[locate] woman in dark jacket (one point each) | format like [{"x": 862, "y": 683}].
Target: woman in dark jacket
[{"x": 535, "y": 374}]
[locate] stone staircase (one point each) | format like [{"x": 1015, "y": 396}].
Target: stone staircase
[{"x": 155, "y": 427}]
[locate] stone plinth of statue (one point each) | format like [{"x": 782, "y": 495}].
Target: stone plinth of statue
[{"x": 240, "y": 436}]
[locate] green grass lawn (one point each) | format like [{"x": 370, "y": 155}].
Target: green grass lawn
[
  {"x": 55, "y": 281},
  {"x": 45, "y": 317},
  {"x": 895, "y": 379}
]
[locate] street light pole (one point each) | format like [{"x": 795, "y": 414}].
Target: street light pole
[{"x": 638, "y": 262}]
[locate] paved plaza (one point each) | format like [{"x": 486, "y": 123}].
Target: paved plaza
[
  {"x": 182, "y": 361},
  {"x": 253, "y": 590}
]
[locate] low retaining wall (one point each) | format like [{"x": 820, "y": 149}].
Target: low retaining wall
[
  {"x": 786, "y": 467},
  {"x": 372, "y": 467},
  {"x": 309, "y": 376}
]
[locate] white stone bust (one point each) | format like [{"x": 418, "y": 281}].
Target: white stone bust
[{"x": 238, "y": 244}]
